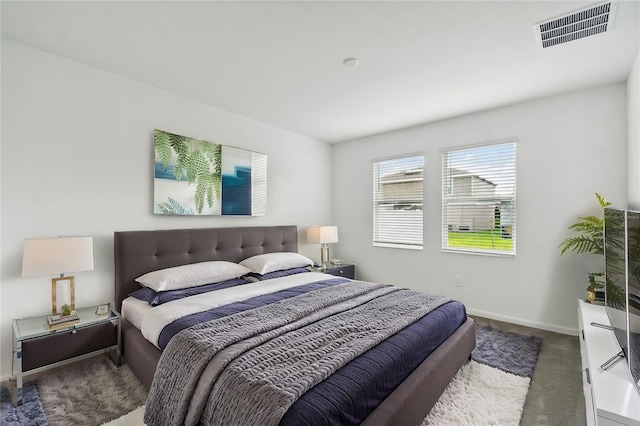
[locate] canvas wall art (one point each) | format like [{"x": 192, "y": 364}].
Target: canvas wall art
[{"x": 196, "y": 177}]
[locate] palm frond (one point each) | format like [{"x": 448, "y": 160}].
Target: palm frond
[
  {"x": 602, "y": 201},
  {"x": 173, "y": 207},
  {"x": 198, "y": 166},
  {"x": 614, "y": 293},
  {"x": 216, "y": 183},
  {"x": 162, "y": 147},
  {"x": 180, "y": 145},
  {"x": 579, "y": 244},
  {"x": 589, "y": 224},
  {"x": 590, "y": 230},
  {"x": 201, "y": 190}
]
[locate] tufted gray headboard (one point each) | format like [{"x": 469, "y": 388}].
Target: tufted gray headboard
[{"x": 139, "y": 252}]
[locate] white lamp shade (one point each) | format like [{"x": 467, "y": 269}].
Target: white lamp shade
[
  {"x": 322, "y": 234},
  {"x": 52, "y": 256}
]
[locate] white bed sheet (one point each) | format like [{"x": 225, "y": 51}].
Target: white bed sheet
[
  {"x": 134, "y": 310},
  {"x": 160, "y": 316}
]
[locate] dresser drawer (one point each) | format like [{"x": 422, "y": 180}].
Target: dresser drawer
[{"x": 63, "y": 345}]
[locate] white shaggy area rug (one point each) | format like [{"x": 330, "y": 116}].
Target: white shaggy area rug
[
  {"x": 134, "y": 418},
  {"x": 478, "y": 395}
]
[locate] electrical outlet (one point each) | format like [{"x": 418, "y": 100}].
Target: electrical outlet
[{"x": 458, "y": 281}]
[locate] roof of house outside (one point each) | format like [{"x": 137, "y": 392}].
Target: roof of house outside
[
  {"x": 416, "y": 173},
  {"x": 463, "y": 173},
  {"x": 413, "y": 174}
]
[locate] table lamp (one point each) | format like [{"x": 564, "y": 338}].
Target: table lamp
[
  {"x": 323, "y": 235},
  {"x": 50, "y": 256}
]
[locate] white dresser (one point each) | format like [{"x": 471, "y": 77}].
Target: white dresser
[{"x": 610, "y": 397}]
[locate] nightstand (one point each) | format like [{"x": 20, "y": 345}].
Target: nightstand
[
  {"x": 36, "y": 345},
  {"x": 347, "y": 270}
]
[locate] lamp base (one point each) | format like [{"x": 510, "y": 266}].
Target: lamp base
[
  {"x": 324, "y": 254},
  {"x": 62, "y": 293}
]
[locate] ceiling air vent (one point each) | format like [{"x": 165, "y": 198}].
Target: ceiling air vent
[{"x": 580, "y": 24}]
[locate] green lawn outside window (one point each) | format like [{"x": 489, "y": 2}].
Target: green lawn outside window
[{"x": 491, "y": 240}]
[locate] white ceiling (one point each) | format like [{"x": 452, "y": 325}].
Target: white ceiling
[{"x": 281, "y": 62}]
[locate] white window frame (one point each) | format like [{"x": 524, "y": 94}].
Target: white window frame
[
  {"x": 505, "y": 197},
  {"x": 398, "y": 233}
]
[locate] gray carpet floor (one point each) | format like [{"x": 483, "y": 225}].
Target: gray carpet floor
[{"x": 555, "y": 394}]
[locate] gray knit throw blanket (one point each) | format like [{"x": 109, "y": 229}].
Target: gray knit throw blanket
[{"x": 250, "y": 367}]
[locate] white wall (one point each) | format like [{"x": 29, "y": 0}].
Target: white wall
[
  {"x": 568, "y": 148},
  {"x": 77, "y": 159},
  {"x": 633, "y": 132}
]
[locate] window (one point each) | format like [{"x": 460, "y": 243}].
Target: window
[
  {"x": 479, "y": 199},
  {"x": 397, "y": 202}
]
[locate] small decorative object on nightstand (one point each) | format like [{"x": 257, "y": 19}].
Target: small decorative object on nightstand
[
  {"x": 102, "y": 310},
  {"x": 37, "y": 343}
]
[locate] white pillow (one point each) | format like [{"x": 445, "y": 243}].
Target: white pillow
[
  {"x": 269, "y": 262},
  {"x": 192, "y": 275}
]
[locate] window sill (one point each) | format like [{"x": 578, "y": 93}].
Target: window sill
[
  {"x": 478, "y": 253},
  {"x": 400, "y": 246}
]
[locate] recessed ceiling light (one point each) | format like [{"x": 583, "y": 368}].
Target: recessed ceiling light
[{"x": 350, "y": 62}]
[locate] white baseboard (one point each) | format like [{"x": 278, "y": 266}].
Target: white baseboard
[{"x": 532, "y": 324}]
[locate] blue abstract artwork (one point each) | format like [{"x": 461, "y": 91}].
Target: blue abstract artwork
[{"x": 236, "y": 192}]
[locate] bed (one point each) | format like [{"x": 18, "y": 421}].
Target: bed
[{"x": 139, "y": 252}]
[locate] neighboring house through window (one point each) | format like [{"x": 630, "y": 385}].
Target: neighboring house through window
[
  {"x": 398, "y": 202},
  {"x": 479, "y": 199}
]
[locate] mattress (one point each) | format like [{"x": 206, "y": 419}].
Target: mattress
[
  {"x": 371, "y": 376},
  {"x": 134, "y": 311}
]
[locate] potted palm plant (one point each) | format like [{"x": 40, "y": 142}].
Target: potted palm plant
[{"x": 589, "y": 238}]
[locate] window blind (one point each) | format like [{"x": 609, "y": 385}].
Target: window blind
[
  {"x": 398, "y": 201},
  {"x": 479, "y": 199}
]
